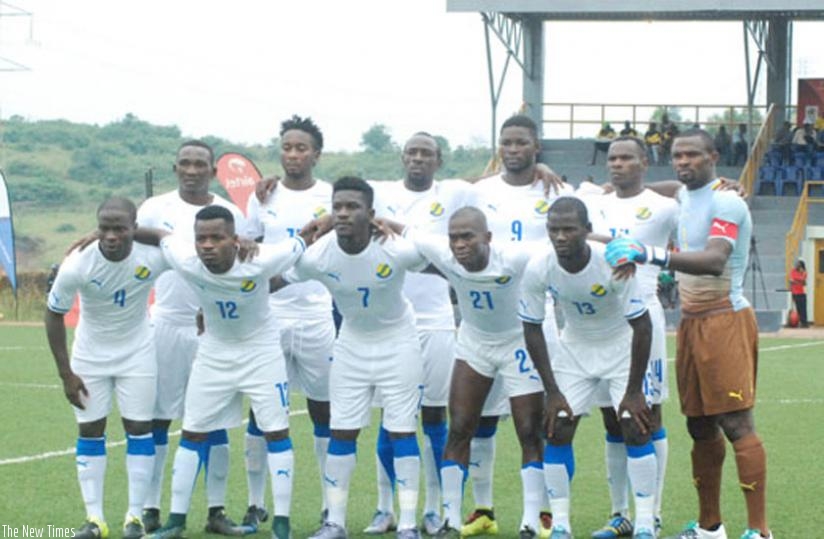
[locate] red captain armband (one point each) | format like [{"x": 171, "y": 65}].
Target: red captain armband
[{"x": 723, "y": 229}]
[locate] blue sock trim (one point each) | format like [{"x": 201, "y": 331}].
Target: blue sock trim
[
  {"x": 436, "y": 432},
  {"x": 448, "y": 463},
  {"x": 613, "y": 439},
  {"x": 534, "y": 464},
  {"x": 322, "y": 431},
  {"x": 218, "y": 437},
  {"x": 342, "y": 447},
  {"x": 660, "y": 434},
  {"x": 91, "y": 447},
  {"x": 405, "y": 447},
  {"x": 201, "y": 448},
  {"x": 140, "y": 445},
  {"x": 279, "y": 446},
  {"x": 638, "y": 451},
  {"x": 252, "y": 428},
  {"x": 485, "y": 432},
  {"x": 561, "y": 454},
  {"x": 385, "y": 453},
  {"x": 160, "y": 436}
]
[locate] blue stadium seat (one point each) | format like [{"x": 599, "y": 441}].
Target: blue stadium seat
[
  {"x": 767, "y": 178},
  {"x": 773, "y": 158},
  {"x": 793, "y": 176}
]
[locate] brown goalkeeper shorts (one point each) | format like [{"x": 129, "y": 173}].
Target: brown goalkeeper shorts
[{"x": 716, "y": 362}]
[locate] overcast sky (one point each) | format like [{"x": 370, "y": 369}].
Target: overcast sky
[{"x": 236, "y": 69}]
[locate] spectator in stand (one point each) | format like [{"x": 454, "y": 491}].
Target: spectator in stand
[
  {"x": 804, "y": 140},
  {"x": 628, "y": 130},
  {"x": 652, "y": 138},
  {"x": 783, "y": 140},
  {"x": 723, "y": 143},
  {"x": 798, "y": 279},
  {"x": 605, "y": 136},
  {"x": 668, "y": 132},
  {"x": 740, "y": 146}
]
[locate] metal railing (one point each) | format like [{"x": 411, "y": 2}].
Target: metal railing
[
  {"x": 756, "y": 154},
  {"x": 798, "y": 230},
  {"x": 583, "y": 120}
]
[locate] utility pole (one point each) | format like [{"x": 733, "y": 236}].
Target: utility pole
[{"x": 8, "y": 10}]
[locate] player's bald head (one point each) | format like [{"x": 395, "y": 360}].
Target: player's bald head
[
  {"x": 119, "y": 204},
  {"x": 470, "y": 216}
]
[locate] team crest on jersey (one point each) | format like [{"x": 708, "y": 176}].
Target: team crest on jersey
[
  {"x": 503, "y": 279},
  {"x": 383, "y": 271},
  {"x": 320, "y": 211},
  {"x": 436, "y": 209},
  {"x": 542, "y": 207},
  {"x": 643, "y": 213},
  {"x": 141, "y": 273},
  {"x": 598, "y": 290},
  {"x": 248, "y": 285}
]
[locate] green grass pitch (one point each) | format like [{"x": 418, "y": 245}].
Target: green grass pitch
[{"x": 39, "y": 486}]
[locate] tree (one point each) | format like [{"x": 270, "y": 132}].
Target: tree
[
  {"x": 732, "y": 117},
  {"x": 674, "y": 114},
  {"x": 443, "y": 144},
  {"x": 377, "y": 139}
]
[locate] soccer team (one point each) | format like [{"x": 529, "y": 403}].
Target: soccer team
[{"x": 387, "y": 253}]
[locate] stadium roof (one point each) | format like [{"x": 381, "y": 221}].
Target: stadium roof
[{"x": 673, "y": 10}]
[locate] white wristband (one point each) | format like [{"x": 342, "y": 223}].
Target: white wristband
[{"x": 659, "y": 256}]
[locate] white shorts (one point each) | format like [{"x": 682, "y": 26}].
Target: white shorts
[
  {"x": 656, "y": 388},
  {"x": 391, "y": 365},
  {"x": 505, "y": 358},
  {"x": 219, "y": 379},
  {"x": 438, "y": 349},
  {"x": 497, "y": 402},
  {"x": 133, "y": 379},
  {"x": 307, "y": 346},
  {"x": 176, "y": 350},
  {"x": 585, "y": 370}
]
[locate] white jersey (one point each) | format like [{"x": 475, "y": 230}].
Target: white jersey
[
  {"x": 175, "y": 302},
  {"x": 367, "y": 286},
  {"x": 488, "y": 299},
  {"x": 647, "y": 217},
  {"x": 595, "y": 305},
  {"x": 281, "y": 217},
  {"x": 113, "y": 300},
  {"x": 428, "y": 211},
  {"x": 516, "y": 213},
  {"x": 235, "y": 303}
]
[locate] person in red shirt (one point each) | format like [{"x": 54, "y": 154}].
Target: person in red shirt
[{"x": 798, "y": 279}]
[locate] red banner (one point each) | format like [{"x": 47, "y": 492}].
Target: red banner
[
  {"x": 811, "y": 102},
  {"x": 238, "y": 175}
]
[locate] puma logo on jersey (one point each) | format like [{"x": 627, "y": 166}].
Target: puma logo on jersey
[
  {"x": 721, "y": 227},
  {"x": 334, "y": 275},
  {"x": 542, "y": 207},
  {"x": 383, "y": 271},
  {"x": 503, "y": 279},
  {"x": 598, "y": 290},
  {"x": 643, "y": 213},
  {"x": 248, "y": 285},
  {"x": 736, "y": 395},
  {"x": 141, "y": 273},
  {"x": 436, "y": 209},
  {"x": 97, "y": 282}
]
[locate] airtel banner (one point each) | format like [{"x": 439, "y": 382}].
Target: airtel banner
[{"x": 238, "y": 175}]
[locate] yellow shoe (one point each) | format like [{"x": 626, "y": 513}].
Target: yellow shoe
[
  {"x": 93, "y": 528},
  {"x": 480, "y": 522}
]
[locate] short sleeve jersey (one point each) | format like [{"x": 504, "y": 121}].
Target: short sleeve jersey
[
  {"x": 235, "y": 303},
  {"x": 174, "y": 302},
  {"x": 516, "y": 213},
  {"x": 113, "y": 299},
  {"x": 595, "y": 305},
  {"x": 367, "y": 286},
  {"x": 648, "y": 217},
  {"x": 281, "y": 217},
  {"x": 488, "y": 299},
  {"x": 428, "y": 211},
  {"x": 708, "y": 213}
]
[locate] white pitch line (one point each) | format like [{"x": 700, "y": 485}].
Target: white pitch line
[
  {"x": 30, "y": 385},
  {"x": 791, "y": 346},
  {"x": 71, "y": 450}
]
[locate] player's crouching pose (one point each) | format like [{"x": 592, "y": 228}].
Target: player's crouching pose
[
  {"x": 377, "y": 348},
  {"x": 606, "y": 339},
  {"x": 113, "y": 351},
  {"x": 235, "y": 357}
]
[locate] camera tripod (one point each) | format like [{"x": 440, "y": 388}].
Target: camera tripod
[{"x": 754, "y": 270}]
